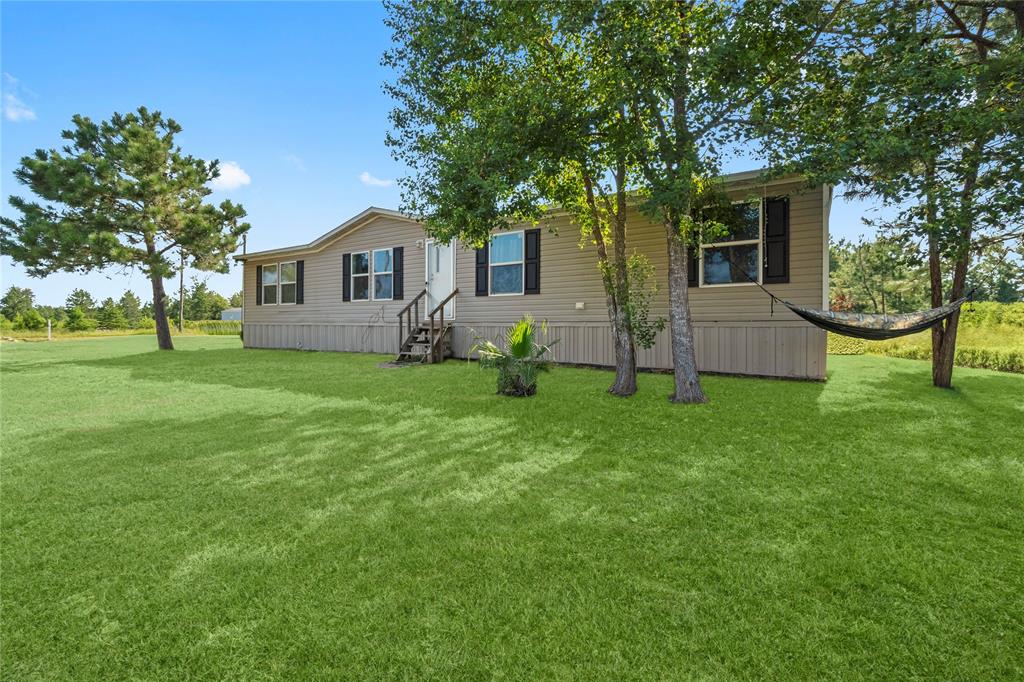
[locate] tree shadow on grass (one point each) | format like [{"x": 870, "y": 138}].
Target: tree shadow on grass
[
  {"x": 320, "y": 374},
  {"x": 250, "y": 504}
]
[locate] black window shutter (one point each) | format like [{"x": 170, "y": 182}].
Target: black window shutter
[
  {"x": 776, "y": 241},
  {"x": 692, "y": 266},
  {"x": 259, "y": 285},
  {"x": 531, "y": 261},
  {"x": 397, "y": 288},
  {"x": 300, "y": 271},
  {"x": 346, "y": 277},
  {"x": 481, "y": 269}
]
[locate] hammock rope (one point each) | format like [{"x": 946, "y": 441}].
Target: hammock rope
[{"x": 870, "y": 326}]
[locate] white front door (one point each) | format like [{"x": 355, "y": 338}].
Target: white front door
[{"x": 440, "y": 276}]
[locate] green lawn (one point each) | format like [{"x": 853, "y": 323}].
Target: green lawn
[{"x": 222, "y": 513}]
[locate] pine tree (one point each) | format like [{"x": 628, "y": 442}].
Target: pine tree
[
  {"x": 110, "y": 316},
  {"x": 131, "y": 306},
  {"x": 121, "y": 193},
  {"x": 81, "y": 299}
]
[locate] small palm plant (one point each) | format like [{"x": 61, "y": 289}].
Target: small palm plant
[{"x": 520, "y": 362}]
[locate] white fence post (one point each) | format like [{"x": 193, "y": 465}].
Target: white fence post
[{"x": 49, "y": 330}]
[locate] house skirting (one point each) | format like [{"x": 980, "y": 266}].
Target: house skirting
[{"x": 785, "y": 349}]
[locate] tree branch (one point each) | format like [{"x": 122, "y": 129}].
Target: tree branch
[
  {"x": 965, "y": 32},
  {"x": 745, "y": 101}
]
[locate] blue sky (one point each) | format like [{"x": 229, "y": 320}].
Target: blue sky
[{"x": 289, "y": 93}]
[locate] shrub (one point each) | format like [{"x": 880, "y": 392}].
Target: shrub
[
  {"x": 845, "y": 345},
  {"x": 78, "y": 322},
  {"x": 989, "y": 313},
  {"x": 214, "y": 327},
  {"x": 966, "y": 356},
  {"x": 519, "y": 363},
  {"x": 31, "y": 320}
]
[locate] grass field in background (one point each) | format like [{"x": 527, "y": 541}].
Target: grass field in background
[
  {"x": 192, "y": 328},
  {"x": 999, "y": 347},
  {"x": 216, "y": 512}
]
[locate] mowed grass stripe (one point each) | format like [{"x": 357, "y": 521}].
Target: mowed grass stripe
[{"x": 230, "y": 513}]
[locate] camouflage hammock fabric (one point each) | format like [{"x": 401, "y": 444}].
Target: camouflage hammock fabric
[{"x": 875, "y": 327}]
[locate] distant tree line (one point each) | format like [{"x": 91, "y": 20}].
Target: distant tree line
[
  {"x": 82, "y": 312},
  {"x": 889, "y": 275}
]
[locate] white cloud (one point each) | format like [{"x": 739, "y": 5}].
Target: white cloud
[
  {"x": 15, "y": 110},
  {"x": 371, "y": 181},
  {"x": 295, "y": 162},
  {"x": 231, "y": 177}
]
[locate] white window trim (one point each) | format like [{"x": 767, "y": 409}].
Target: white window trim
[
  {"x": 374, "y": 273},
  {"x": 279, "y": 282},
  {"x": 369, "y": 278},
  {"x": 276, "y": 284},
  {"x": 522, "y": 261},
  {"x": 717, "y": 245}
]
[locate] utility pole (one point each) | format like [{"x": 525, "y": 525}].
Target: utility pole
[
  {"x": 245, "y": 243},
  {"x": 181, "y": 291}
]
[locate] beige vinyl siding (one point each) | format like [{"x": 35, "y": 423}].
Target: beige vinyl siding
[
  {"x": 322, "y": 285},
  {"x": 735, "y": 328},
  {"x": 569, "y": 275}
]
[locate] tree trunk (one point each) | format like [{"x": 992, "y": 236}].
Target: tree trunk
[
  {"x": 622, "y": 325},
  {"x": 163, "y": 330},
  {"x": 944, "y": 352},
  {"x": 616, "y": 286},
  {"x": 625, "y": 350},
  {"x": 684, "y": 356}
]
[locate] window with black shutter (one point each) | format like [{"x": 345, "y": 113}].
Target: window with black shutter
[
  {"x": 531, "y": 261},
  {"x": 398, "y": 288},
  {"x": 346, "y": 277},
  {"x": 776, "y": 241},
  {"x": 482, "y": 261}
]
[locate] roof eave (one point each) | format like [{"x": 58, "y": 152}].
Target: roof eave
[{"x": 321, "y": 241}]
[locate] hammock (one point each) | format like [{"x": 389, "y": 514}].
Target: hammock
[
  {"x": 874, "y": 327},
  {"x": 870, "y": 326}
]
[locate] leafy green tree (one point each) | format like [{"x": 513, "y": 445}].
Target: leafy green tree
[
  {"x": 924, "y": 113},
  {"x": 82, "y": 299},
  {"x": 30, "y": 319},
  {"x": 121, "y": 193},
  {"x": 17, "y": 301},
  {"x": 499, "y": 117},
  {"x": 236, "y": 300},
  {"x": 78, "y": 321},
  {"x": 997, "y": 275},
  {"x": 110, "y": 316},
  {"x": 131, "y": 308},
  {"x": 876, "y": 276},
  {"x": 55, "y": 313},
  {"x": 696, "y": 72},
  {"x": 202, "y": 303},
  {"x": 503, "y": 105}
]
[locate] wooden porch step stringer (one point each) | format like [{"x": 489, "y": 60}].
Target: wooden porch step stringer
[{"x": 426, "y": 341}]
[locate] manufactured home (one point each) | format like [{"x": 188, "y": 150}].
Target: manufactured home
[{"x": 370, "y": 285}]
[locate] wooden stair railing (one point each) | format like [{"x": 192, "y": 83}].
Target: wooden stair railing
[
  {"x": 408, "y": 312},
  {"x": 439, "y": 341},
  {"x": 414, "y": 333}
]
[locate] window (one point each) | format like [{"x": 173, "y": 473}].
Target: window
[
  {"x": 270, "y": 284},
  {"x": 383, "y": 275},
  {"x": 734, "y": 259},
  {"x": 288, "y": 282},
  {"x": 361, "y": 276},
  {"x": 506, "y": 256}
]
